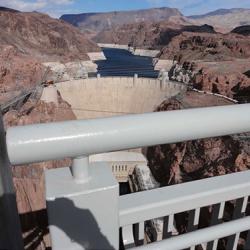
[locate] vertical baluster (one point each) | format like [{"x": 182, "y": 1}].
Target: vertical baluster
[
  {"x": 168, "y": 224},
  {"x": 128, "y": 237},
  {"x": 239, "y": 211},
  {"x": 139, "y": 230},
  {"x": 193, "y": 221},
  {"x": 217, "y": 215},
  {"x": 247, "y": 244}
]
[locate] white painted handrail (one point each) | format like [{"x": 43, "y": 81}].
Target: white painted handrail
[
  {"x": 35, "y": 143},
  {"x": 156, "y": 203},
  {"x": 200, "y": 236}
]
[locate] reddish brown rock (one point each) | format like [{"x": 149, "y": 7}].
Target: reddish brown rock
[
  {"x": 192, "y": 160},
  {"x": 189, "y": 46},
  {"x": 199, "y": 159},
  {"x": 17, "y": 72},
  {"x": 226, "y": 78},
  {"x": 150, "y": 35},
  {"x": 43, "y": 37},
  {"x": 211, "y": 62}
]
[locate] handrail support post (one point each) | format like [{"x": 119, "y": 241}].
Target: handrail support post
[{"x": 80, "y": 169}]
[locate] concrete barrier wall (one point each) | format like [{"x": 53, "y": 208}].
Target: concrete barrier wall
[
  {"x": 113, "y": 46},
  {"x": 96, "y": 56},
  {"x": 146, "y": 52},
  {"x": 160, "y": 64},
  {"x": 110, "y": 96}
]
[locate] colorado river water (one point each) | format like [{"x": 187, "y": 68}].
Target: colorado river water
[{"x": 122, "y": 63}]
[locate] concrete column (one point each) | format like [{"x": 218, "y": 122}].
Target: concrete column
[
  {"x": 135, "y": 79},
  {"x": 83, "y": 215},
  {"x": 162, "y": 83},
  {"x": 10, "y": 230}
]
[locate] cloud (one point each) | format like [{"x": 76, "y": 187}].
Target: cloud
[
  {"x": 37, "y": 5},
  {"x": 24, "y": 5}
]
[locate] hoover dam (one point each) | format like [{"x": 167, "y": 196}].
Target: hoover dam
[
  {"x": 124, "y": 84},
  {"x": 109, "y": 96}
]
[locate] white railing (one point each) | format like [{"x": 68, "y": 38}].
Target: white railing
[
  {"x": 77, "y": 138},
  {"x": 84, "y": 207},
  {"x": 189, "y": 197}
]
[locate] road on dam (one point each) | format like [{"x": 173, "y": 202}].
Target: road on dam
[{"x": 121, "y": 62}]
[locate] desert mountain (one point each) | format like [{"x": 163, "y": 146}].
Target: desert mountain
[
  {"x": 211, "y": 62},
  {"x": 43, "y": 37},
  {"x": 8, "y": 9},
  {"x": 96, "y": 22},
  {"x": 29, "y": 39},
  {"x": 242, "y": 30},
  {"x": 224, "y": 20},
  {"x": 149, "y": 35},
  {"x": 207, "y": 47},
  {"x": 227, "y": 19}
]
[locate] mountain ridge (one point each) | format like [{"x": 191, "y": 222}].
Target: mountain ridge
[
  {"x": 217, "y": 12},
  {"x": 105, "y": 20},
  {"x": 224, "y": 20}
]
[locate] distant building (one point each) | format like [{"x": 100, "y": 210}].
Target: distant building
[{"x": 122, "y": 163}]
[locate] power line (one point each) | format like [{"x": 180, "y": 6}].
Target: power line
[{"x": 97, "y": 110}]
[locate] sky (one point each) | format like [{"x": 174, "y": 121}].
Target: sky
[{"x": 56, "y": 8}]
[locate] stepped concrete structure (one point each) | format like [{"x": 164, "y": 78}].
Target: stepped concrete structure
[
  {"x": 160, "y": 64},
  {"x": 146, "y": 52},
  {"x": 113, "y": 46},
  {"x": 110, "y": 96},
  {"x": 95, "y": 56},
  {"x": 122, "y": 163}
]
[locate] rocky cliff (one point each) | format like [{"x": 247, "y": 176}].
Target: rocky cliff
[
  {"x": 43, "y": 37},
  {"x": 29, "y": 39},
  {"x": 206, "y": 47},
  {"x": 211, "y": 62},
  {"x": 199, "y": 159},
  {"x": 149, "y": 35},
  {"x": 193, "y": 160},
  {"x": 18, "y": 72}
]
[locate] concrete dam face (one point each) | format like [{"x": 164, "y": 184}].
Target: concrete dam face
[{"x": 110, "y": 96}]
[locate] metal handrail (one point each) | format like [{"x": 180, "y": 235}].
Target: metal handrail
[
  {"x": 157, "y": 203},
  {"x": 200, "y": 236},
  {"x": 41, "y": 142}
]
